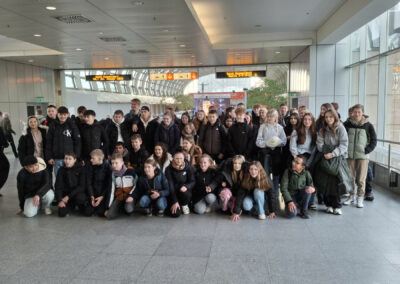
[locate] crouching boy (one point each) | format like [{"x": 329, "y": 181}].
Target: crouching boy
[
  {"x": 33, "y": 185},
  {"x": 70, "y": 186},
  {"x": 297, "y": 187},
  {"x": 99, "y": 182},
  {"x": 123, "y": 185}
]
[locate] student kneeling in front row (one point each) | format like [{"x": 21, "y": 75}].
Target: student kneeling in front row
[
  {"x": 124, "y": 182},
  {"x": 33, "y": 185},
  {"x": 297, "y": 188}
]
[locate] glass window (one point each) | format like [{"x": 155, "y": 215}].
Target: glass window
[
  {"x": 69, "y": 82},
  {"x": 394, "y": 27},
  {"x": 355, "y": 78},
  {"x": 371, "y": 91},
  {"x": 100, "y": 86},
  {"x": 373, "y": 37},
  {"x": 392, "y": 120},
  {"x": 85, "y": 84},
  {"x": 113, "y": 87},
  {"x": 355, "y": 46}
]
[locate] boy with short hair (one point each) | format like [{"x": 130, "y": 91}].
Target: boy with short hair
[
  {"x": 124, "y": 182},
  {"x": 297, "y": 187},
  {"x": 239, "y": 135},
  {"x": 99, "y": 181},
  {"x": 93, "y": 136},
  {"x": 214, "y": 137},
  {"x": 362, "y": 141},
  {"x": 70, "y": 186},
  {"x": 118, "y": 131},
  {"x": 33, "y": 185},
  {"x": 137, "y": 154},
  {"x": 121, "y": 149},
  {"x": 63, "y": 137}
]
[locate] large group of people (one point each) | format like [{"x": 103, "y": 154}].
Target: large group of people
[{"x": 257, "y": 162}]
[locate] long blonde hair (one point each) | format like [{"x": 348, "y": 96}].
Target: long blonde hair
[
  {"x": 237, "y": 176},
  {"x": 260, "y": 182}
]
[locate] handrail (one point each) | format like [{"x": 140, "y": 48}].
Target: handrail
[{"x": 388, "y": 141}]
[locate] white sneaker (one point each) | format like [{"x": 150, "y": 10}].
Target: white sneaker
[
  {"x": 329, "y": 210},
  {"x": 47, "y": 211},
  {"x": 208, "y": 209},
  {"x": 185, "y": 210},
  {"x": 337, "y": 211},
  {"x": 261, "y": 216},
  {"x": 360, "y": 202},
  {"x": 349, "y": 200}
]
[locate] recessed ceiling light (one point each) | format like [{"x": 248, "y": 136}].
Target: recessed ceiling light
[
  {"x": 78, "y": 49},
  {"x": 138, "y": 3},
  {"x": 30, "y": 60},
  {"x": 182, "y": 45},
  {"x": 277, "y": 52},
  {"x": 106, "y": 58},
  {"x": 37, "y": 35},
  {"x": 100, "y": 33},
  {"x": 51, "y": 8}
]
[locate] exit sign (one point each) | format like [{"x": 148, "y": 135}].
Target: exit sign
[{"x": 40, "y": 100}]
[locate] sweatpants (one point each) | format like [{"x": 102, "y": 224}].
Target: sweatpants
[
  {"x": 359, "y": 171},
  {"x": 45, "y": 202},
  {"x": 118, "y": 207},
  {"x": 80, "y": 199}
]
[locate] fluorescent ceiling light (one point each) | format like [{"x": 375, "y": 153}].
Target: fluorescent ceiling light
[
  {"x": 51, "y": 8},
  {"x": 37, "y": 35}
]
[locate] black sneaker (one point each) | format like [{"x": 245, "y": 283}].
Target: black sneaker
[
  {"x": 305, "y": 215},
  {"x": 369, "y": 196},
  {"x": 312, "y": 206},
  {"x": 148, "y": 212}
]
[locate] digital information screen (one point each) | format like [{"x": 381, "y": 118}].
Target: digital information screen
[
  {"x": 173, "y": 76},
  {"x": 108, "y": 77},
  {"x": 240, "y": 74}
]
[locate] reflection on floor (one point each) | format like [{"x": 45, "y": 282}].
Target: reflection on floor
[{"x": 361, "y": 246}]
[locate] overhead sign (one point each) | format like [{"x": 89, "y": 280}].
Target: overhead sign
[
  {"x": 240, "y": 74},
  {"x": 173, "y": 76},
  {"x": 108, "y": 77}
]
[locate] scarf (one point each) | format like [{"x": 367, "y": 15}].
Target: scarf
[{"x": 121, "y": 172}]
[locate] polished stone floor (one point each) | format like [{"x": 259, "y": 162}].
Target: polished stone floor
[{"x": 361, "y": 246}]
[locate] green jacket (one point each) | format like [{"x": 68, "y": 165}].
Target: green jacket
[
  {"x": 292, "y": 182},
  {"x": 362, "y": 138}
]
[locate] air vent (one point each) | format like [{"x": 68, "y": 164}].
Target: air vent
[
  {"x": 74, "y": 19},
  {"x": 138, "y": 51},
  {"x": 113, "y": 39}
]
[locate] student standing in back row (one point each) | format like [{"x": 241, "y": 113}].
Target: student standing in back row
[
  {"x": 63, "y": 137},
  {"x": 239, "y": 135},
  {"x": 362, "y": 141}
]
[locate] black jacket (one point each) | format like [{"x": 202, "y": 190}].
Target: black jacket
[
  {"x": 48, "y": 121},
  {"x": 169, "y": 136},
  {"x": 148, "y": 133},
  {"x": 137, "y": 159},
  {"x": 26, "y": 145},
  {"x": 213, "y": 139},
  {"x": 178, "y": 178},
  {"x": 203, "y": 179},
  {"x": 225, "y": 174},
  {"x": 112, "y": 134},
  {"x": 31, "y": 184},
  {"x": 61, "y": 139},
  {"x": 99, "y": 180},
  {"x": 93, "y": 137},
  {"x": 3, "y": 140},
  {"x": 145, "y": 186},
  {"x": 70, "y": 181},
  {"x": 240, "y": 139}
]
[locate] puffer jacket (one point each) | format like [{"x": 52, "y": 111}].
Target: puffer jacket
[
  {"x": 292, "y": 182},
  {"x": 99, "y": 180},
  {"x": 203, "y": 179},
  {"x": 93, "y": 137},
  {"x": 170, "y": 136},
  {"x": 362, "y": 138},
  {"x": 339, "y": 141},
  {"x": 214, "y": 138},
  {"x": 70, "y": 181},
  {"x": 112, "y": 134},
  {"x": 26, "y": 145},
  {"x": 61, "y": 139},
  {"x": 145, "y": 186},
  {"x": 178, "y": 178}
]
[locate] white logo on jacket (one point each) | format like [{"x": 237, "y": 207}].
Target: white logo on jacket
[{"x": 67, "y": 133}]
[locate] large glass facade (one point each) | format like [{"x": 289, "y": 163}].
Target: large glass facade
[{"x": 371, "y": 91}]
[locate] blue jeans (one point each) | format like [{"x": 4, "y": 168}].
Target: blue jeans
[
  {"x": 145, "y": 202},
  {"x": 200, "y": 207},
  {"x": 258, "y": 199},
  {"x": 58, "y": 163},
  {"x": 301, "y": 199}
]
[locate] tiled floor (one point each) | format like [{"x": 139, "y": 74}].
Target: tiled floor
[{"x": 361, "y": 246}]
